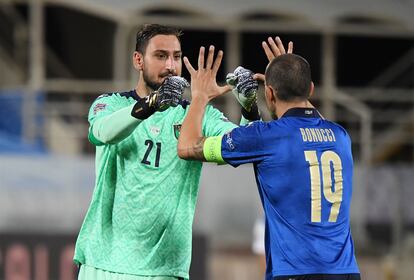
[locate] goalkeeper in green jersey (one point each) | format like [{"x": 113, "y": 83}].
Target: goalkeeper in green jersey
[{"x": 139, "y": 223}]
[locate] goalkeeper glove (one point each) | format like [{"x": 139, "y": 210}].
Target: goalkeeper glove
[
  {"x": 169, "y": 94},
  {"x": 244, "y": 87}
]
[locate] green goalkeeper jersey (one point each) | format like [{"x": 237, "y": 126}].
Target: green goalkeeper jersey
[{"x": 140, "y": 218}]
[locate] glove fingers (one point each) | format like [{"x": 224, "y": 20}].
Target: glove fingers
[
  {"x": 231, "y": 79},
  {"x": 244, "y": 86},
  {"x": 171, "y": 92}
]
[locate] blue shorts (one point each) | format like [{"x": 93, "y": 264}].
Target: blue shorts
[{"x": 353, "y": 276}]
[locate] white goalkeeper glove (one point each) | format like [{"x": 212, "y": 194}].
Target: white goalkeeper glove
[{"x": 244, "y": 87}]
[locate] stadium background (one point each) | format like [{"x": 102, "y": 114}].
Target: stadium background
[{"x": 56, "y": 56}]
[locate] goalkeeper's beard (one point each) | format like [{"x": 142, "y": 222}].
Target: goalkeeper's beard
[{"x": 154, "y": 85}]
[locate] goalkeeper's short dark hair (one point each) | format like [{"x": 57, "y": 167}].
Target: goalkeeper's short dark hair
[
  {"x": 148, "y": 31},
  {"x": 290, "y": 76}
]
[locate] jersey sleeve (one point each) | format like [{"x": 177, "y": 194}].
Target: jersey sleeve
[
  {"x": 239, "y": 146},
  {"x": 110, "y": 120},
  {"x": 102, "y": 106},
  {"x": 215, "y": 123},
  {"x": 244, "y": 144}
]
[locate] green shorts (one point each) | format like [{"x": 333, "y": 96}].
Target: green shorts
[{"x": 92, "y": 273}]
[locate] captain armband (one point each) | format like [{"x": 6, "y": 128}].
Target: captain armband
[{"x": 212, "y": 149}]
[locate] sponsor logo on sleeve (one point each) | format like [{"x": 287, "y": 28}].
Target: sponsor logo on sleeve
[
  {"x": 229, "y": 141},
  {"x": 99, "y": 107}
]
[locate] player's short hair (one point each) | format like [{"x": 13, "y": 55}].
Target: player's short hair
[
  {"x": 290, "y": 76},
  {"x": 148, "y": 31}
]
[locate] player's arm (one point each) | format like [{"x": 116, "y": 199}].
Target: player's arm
[
  {"x": 191, "y": 143},
  {"x": 239, "y": 146},
  {"x": 114, "y": 127}
]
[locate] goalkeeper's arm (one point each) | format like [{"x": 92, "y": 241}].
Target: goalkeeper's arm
[
  {"x": 117, "y": 126},
  {"x": 113, "y": 128}
]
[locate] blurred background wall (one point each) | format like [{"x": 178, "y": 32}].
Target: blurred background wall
[{"x": 57, "y": 56}]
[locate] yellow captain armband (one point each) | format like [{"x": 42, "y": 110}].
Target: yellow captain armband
[{"x": 212, "y": 149}]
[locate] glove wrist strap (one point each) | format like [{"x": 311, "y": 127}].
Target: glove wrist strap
[
  {"x": 253, "y": 114},
  {"x": 144, "y": 107}
]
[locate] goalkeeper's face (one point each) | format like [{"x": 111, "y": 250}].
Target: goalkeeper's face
[{"x": 162, "y": 58}]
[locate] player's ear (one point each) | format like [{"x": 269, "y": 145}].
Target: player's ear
[
  {"x": 311, "y": 89},
  {"x": 270, "y": 94},
  {"x": 138, "y": 60},
  {"x": 267, "y": 93}
]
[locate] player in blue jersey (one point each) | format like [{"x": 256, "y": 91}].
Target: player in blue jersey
[{"x": 303, "y": 166}]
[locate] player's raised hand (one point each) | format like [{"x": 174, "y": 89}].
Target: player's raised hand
[
  {"x": 203, "y": 80},
  {"x": 273, "y": 48}
]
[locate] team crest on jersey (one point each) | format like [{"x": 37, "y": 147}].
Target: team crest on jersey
[{"x": 177, "y": 129}]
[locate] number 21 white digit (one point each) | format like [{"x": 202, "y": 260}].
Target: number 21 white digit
[{"x": 333, "y": 195}]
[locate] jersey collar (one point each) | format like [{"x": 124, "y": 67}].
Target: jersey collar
[
  {"x": 302, "y": 113},
  {"x": 131, "y": 94}
]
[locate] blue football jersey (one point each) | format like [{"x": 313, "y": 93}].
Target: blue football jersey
[{"x": 303, "y": 166}]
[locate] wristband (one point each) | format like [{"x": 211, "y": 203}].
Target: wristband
[
  {"x": 142, "y": 108},
  {"x": 253, "y": 114}
]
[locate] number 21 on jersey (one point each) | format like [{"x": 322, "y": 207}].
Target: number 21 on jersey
[{"x": 332, "y": 191}]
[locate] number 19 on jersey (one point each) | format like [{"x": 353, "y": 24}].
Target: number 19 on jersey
[{"x": 331, "y": 166}]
